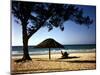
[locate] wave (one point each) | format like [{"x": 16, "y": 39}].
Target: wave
[{"x": 54, "y": 51}]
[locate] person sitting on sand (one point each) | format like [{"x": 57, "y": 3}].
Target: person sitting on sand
[{"x": 64, "y": 54}]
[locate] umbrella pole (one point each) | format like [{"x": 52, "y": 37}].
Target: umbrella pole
[{"x": 49, "y": 54}]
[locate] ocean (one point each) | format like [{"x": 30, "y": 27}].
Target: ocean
[{"x": 17, "y": 50}]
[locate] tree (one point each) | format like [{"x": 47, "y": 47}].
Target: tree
[{"x": 34, "y": 15}]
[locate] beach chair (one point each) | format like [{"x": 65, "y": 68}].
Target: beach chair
[{"x": 64, "y": 54}]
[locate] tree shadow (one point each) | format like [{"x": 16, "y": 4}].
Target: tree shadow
[
  {"x": 83, "y": 61},
  {"x": 21, "y": 60}
]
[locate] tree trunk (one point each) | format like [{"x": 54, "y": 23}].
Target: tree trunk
[
  {"x": 25, "y": 50},
  {"x": 25, "y": 42}
]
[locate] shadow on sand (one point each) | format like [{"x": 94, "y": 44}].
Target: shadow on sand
[
  {"x": 83, "y": 61},
  {"x": 70, "y": 57}
]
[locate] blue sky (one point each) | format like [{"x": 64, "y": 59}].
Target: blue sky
[{"x": 73, "y": 33}]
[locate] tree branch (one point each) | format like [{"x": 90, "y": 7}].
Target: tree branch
[
  {"x": 39, "y": 25},
  {"x": 33, "y": 31}
]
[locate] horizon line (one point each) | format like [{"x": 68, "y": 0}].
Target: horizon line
[{"x": 62, "y": 44}]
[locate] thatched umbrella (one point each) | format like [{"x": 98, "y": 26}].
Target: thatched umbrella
[{"x": 49, "y": 43}]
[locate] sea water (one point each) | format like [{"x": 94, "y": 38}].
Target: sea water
[{"x": 18, "y": 50}]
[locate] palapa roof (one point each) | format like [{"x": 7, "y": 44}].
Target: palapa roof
[{"x": 49, "y": 43}]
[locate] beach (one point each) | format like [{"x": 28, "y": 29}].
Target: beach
[{"x": 41, "y": 63}]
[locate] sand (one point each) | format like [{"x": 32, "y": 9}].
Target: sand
[{"x": 41, "y": 63}]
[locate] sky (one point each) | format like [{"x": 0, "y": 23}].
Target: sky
[{"x": 73, "y": 33}]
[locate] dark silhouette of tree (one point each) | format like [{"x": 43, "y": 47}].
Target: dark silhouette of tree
[{"x": 33, "y": 16}]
